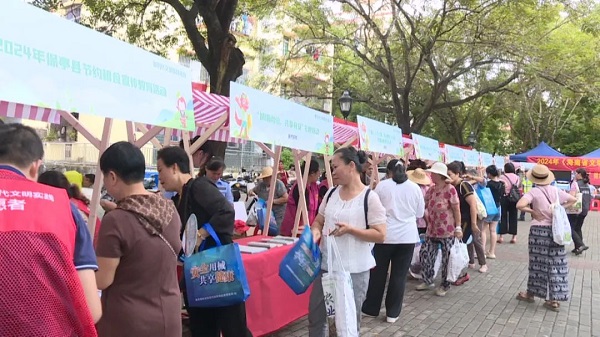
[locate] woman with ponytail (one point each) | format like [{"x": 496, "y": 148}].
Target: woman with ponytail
[
  {"x": 355, "y": 218},
  {"x": 404, "y": 203},
  {"x": 581, "y": 184}
]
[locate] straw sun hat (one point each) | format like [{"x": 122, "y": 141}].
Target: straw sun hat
[
  {"x": 419, "y": 176},
  {"x": 540, "y": 175},
  {"x": 266, "y": 172},
  {"x": 439, "y": 168}
]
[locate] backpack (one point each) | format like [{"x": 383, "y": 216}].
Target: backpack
[
  {"x": 365, "y": 206},
  {"x": 513, "y": 194}
]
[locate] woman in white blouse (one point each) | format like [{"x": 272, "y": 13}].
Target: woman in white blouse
[
  {"x": 404, "y": 203},
  {"x": 342, "y": 215}
]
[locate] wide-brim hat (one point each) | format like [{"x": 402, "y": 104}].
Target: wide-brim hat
[
  {"x": 266, "y": 172},
  {"x": 419, "y": 176},
  {"x": 439, "y": 168},
  {"x": 540, "y": 175}
]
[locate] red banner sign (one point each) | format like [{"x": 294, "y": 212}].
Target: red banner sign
[{"x": 567, "y": 163}]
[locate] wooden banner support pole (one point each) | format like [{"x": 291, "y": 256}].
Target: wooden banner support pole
[
  {"x": 95, "y": 202},
  {"x": 272, "y": 189},
  {"x": 302, "y": 184}
]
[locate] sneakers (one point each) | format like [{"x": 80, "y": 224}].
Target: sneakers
[
  {"x": 491, "y": 256},
  {"x": 462, "y": 280},
  {"x": 424, "y": 286},
  {"x": 367, "y": 315},
  {"x": 391, "y": 319},
  {"x": 441, "y": 291}
]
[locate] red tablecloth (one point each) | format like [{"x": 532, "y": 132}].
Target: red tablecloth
[{"x": 272, "y": 304}]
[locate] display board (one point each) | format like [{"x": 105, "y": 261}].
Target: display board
[
  {"x": 379, "y": 137},
  {"x": 51, "y": 62},
  {"x": 426, "y": 148},
  {"x": 258, "y": 116}
]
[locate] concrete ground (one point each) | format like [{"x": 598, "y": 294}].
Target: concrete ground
[{"x": 486, "y": 305}]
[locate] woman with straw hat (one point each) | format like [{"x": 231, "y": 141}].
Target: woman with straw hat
[
  {"x": 442, "y": 211},
  {"x": 281, "y": 193},
  {"x": 420, "y": 177},
  {"x": 548, "y": 269}
]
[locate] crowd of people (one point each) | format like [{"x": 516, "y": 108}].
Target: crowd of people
[{"x": 133, "y": 260}]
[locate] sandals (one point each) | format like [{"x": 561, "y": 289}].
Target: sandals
[
  {"x": 514, "y": 240},
  {"x": 525, "y": 297},
  {"x": 552, "y": 305}
]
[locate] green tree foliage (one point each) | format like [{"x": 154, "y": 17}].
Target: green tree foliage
[{"x": 287, "y": 157}]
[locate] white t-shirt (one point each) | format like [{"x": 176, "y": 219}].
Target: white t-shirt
[
  {"x": 356, "y": 253},
  {"x": 403, "y": 203}
]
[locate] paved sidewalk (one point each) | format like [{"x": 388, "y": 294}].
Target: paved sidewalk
[{"x": 486, "y": 305}]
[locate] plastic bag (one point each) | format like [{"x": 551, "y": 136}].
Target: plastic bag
[
  {"x": 261, "y": 216},
  {"x": 415, "y": 265},
  {"x": 459, "y": 260},
  {"x": 301, "y": 264},
  {"x": 561, "y": 228},
  {"x": 578, "y": 205},
  {"x": 481, "y": 211},
  {"x": 339, "y": 293},
  {"x": 486, "y": 197}
]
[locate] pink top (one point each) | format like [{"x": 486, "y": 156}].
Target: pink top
[
  {"x": 513, "y": 179},
  {"x": 438, "y": 213},
  {"x": 538, "y": 198}
]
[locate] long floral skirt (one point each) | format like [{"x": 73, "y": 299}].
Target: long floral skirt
[{"x": 548, "y": 268}]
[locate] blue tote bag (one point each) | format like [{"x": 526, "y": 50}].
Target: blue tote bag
[
  {"x": 485, "y": 194},
  {"x": 261, "y": 217},
  {"x": 302, "y": 263},
  {"x": 216, "y": 277}
]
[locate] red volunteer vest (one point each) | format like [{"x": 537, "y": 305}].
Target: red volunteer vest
[{"x": 40, "y": 292}]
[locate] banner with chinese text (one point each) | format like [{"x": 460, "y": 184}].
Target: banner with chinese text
[
  {"x": 258, "y": 116},
  {"x": 499, "y": 162},
  {"x": 379, "y": 137},
  {"x": 454, "y": 153},
  {"x": 486, "y": 159},
  {"x": 567, "y": 163},
  {"x": 67, "y": 66},
  {"x": 472, "y": 158},
  {"x": 426, "y": 148}
]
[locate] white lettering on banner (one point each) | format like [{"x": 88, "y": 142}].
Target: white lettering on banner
[
  {"x": 2, "y": 204},
  {"x": 27, "y": 194},
  {"x": 38, "y": 195}
]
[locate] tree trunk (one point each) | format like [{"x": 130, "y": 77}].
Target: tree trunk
[{"x": 227, "y": 65}]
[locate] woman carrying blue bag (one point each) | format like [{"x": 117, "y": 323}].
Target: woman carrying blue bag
[
  {"x": 496, "y": 188},
  {"x": 202, "y": 198}
]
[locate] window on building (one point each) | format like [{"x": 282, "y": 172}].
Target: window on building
[
  {"x": 73, "y": 13},
  {"x": 286, "y": 46}
]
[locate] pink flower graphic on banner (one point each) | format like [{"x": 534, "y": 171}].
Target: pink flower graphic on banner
[
  {"x": 243, "y": 118},
  {"x": 327, "y": 145},
  {"x": 364, "y": 139},
  {"x": 181, "y": 106},
  {"x": 243, "y": 102}
]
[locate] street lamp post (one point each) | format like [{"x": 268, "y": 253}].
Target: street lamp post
[
  {"x": 346, "y": 104},
  {"x": 472, "y": 139}
]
